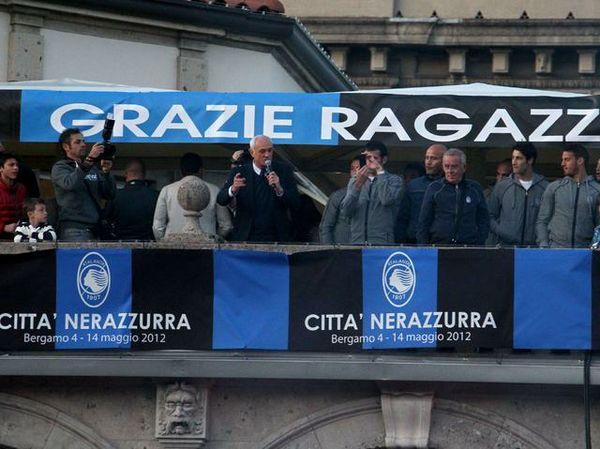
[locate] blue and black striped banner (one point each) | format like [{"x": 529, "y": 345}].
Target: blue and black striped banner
[{"x": 327, "y": 301}]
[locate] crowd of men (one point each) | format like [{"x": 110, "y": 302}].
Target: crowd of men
[
  {"x": 436, "y": 204},
  {"x": 444, "y": 207}
]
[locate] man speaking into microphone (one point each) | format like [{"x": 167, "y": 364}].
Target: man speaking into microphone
[{"x": 265, "y": 195}]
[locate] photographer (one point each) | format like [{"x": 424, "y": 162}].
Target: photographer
[{"x": 80, "y": 183}]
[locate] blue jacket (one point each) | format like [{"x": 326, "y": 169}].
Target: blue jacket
[
  {"x": 453, "y": 214},
  {"x": 408, "y": 217}
]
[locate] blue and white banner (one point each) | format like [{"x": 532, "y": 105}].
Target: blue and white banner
[
  {"x": 177, "y": 117},
  {"x": 321, "y": 301},
  {"x": 303, "y": 118},
  {"x": 93, "y": 298}
]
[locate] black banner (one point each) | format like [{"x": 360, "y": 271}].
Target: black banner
[{"x": 472, "y": 121}]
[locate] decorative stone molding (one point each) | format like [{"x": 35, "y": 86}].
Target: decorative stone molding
[
  {"x": 379, "y": 56},
  {"x": 543, "y": 61},
  {"x": 587, "y": 61},
  {"x": 181, "y": 415},
  {"x": 501, "y": 60},
  {"x": 454, "y": 414},
  {"x": 407, "y": 419},
  {"x": 457, "y": 63}
]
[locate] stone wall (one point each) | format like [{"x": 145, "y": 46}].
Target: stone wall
[{"x": 119, "y": 413}]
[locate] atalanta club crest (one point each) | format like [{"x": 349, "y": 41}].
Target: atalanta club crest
[
  {"x": 93, "y": 279},
  {"x": 399, "y": 279}
]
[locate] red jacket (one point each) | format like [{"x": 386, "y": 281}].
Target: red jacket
[{"x": 11, "y": 205}]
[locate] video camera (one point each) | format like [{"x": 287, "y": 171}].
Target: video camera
[{"x": 109, "y": 148}]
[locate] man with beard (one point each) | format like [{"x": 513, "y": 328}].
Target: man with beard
[
  {"x": 408, "y": 217},
  {"x": 515, "y": 201},
  {"x": 80, "y": 184},
  {"x": 569, "y": 210}
]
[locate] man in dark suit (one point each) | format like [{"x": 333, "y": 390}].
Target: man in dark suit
[{"x": 265, "y": 196}]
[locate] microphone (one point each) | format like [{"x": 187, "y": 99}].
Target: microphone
[{"x": 268, "y": 168}]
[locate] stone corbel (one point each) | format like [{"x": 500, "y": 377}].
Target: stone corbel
[
  {"x": 339, "y": 56},
  {"x": 543, "y": 61},
  {"x": 501, "y": 61},
  {"x": 181, "y": 415},
  {"x": 457, "y": 61},
  {"x": 379, "y": 57},
  {"x": 587, "y": 61},
  {"x": 407, "y": 419}
]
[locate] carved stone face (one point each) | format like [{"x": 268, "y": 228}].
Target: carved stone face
[{"x": 180, "y": 406}]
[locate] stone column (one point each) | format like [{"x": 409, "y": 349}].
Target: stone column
[
  {"x": 192, "y": 64},
  {"x": 587, "y": 61},
  {"x": 378, "y": 59},
  {"x": 25, "y": 48},
  {"x": 457, "y": 62},
  {"x": 501, "y": 61},
  {"x": 407, "y": 419},
  {"x": 543, "y": 61}
]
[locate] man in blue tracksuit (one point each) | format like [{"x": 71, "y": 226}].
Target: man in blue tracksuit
[{"x": 454, "y": 210}]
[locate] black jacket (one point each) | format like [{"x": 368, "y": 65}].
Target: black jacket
[
  {"x": 132, "y": 211},
  {"x": 453, "y": 214},
  {"x": 280, "y": 208}
]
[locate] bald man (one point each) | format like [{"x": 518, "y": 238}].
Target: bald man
[{"x": 408, "y": 217}]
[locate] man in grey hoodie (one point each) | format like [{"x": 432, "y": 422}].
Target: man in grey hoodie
[
  {"x": 569, "y": 210},
  {"x": 373, "y": 199},
  {"x": 515, "y": 201}
]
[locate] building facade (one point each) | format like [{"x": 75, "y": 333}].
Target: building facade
[{"x": 381, "y": 44}]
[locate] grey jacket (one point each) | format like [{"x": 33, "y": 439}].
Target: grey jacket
[
  {"x": 76, "y": 208},
  {"x": 564, "y": 223},
  {"x": 335, "y": 227},
  {"x": 514, "y": 210},
  {"x": 373, "y": 210}
]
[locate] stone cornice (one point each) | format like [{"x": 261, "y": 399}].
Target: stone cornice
[{"x": 468, "y": 32}]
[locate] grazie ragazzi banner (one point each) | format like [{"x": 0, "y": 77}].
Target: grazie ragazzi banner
[
  {"x": 329, "y": 300},
  {"x": 302, "y": 118}
]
